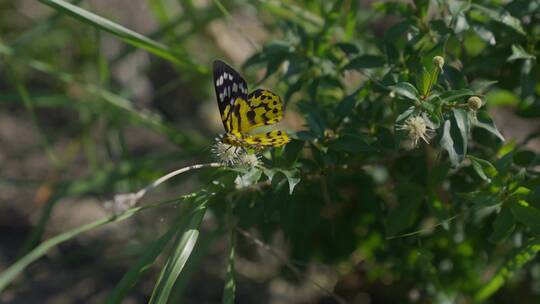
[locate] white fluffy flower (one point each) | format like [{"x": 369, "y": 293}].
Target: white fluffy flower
[
  {"x": 248, "y": 160},
  {"x": 416, "y": 129},
  {"x": 226, "y": 153}
]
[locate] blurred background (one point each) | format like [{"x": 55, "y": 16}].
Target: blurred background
[{"x": 84, "y": 115}]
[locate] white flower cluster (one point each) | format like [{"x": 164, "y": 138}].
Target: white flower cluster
[
  {"x": 416, "y": 129},
  {"x": 233, "y": 155}
]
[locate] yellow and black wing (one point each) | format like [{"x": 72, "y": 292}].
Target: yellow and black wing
[
  {"x": 231, "y": 89},
  {"x": 265, "y": 108},
  {"x": 242, "y": 113}
]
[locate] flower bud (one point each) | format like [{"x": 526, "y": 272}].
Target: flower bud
[
  {"x": 474, "y": 103},
  {"x": 438, "y": 61}
]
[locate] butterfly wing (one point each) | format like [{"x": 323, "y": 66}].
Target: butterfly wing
[
  {"x": 274, "y": 138},
  {"x": 241, "y": 112},
  {"x": 265, "y": 108},
  {"x": 231, "y": 91}
]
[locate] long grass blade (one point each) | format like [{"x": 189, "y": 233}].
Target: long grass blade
[
  {"x": 176, "y": 262},
  {"x": 142, "y": 265},
  {"x": 18, "y": 267},
  {"x": 229, "y": 290},
  {"x": 125, "y": 34},
  {"x": 508, "y": 269}
]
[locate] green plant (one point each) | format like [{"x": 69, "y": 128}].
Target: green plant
[{"x": 398, "y": 176}]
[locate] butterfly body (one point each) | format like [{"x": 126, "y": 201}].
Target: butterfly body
[{"x": 242, "y": 112}]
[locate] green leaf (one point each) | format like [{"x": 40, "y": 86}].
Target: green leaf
[
  {"x": 345, "y": 107},
  {"x": 447, "y": 143},
  {"x": 462, "y": 122},
  {"x": 453, "y": 95},
  {"x": 291, "y": 152},
  {"x": 423, "y": 80},
  {"x": 480, "y": 86},
  {"x": 176, "y": 262},
  {"x": 353, "y": 143},
  {"x": 410, "y": 196},
  {"x": 503, "y": 225},
  {"x": 142, "y": 265},
  {"x": 126, "y": 35},
  {"x": 348, "y": 47},
  {"x": 365, "y": 62},
  {"x": 526, "y": 214},
  {"x": 292, "y": 178},
  {"x": 406, "y": 114},
  {"x": 484, "y": 121},
  {"x": 481, "y": 198},
  {"x": 483, "y": 168},
  {"x": 407, "y": 90},
  {"x": 512, "y": 265},
  {"x": 502, "y": 16},
  {"x": 248, "y": 178},
  {"x": 519, "y": 53}
]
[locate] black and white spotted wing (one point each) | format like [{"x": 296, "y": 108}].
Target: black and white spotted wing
[{"x": 229, "y": 86}]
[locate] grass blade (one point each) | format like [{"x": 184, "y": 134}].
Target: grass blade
[
  {"x": 125, "y": 34},
  {"x": 229, "y": 290},
  {"x": 14, "y": 270},
  {"x": 176, "y": 262},
  {"x": 129, "y": 279},
  {"x": 508, "y": 269}
]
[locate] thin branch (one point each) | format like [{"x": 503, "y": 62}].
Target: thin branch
[
  {"x": 428, "y": 229},
  {"x": 128, "y": 200},
  {"x": 289, "y": 265}
]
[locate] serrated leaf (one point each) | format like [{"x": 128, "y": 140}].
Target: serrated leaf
[
  {"x": 503, "y": 225},
  {"x": 526, "y": 214},
  {"x": 365, "y": 62},
  {"x": 406, "y": 90}
]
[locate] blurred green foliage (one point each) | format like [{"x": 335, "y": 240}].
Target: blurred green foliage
[{"x": 399, "y": 176}]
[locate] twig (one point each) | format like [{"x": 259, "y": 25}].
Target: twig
[
  {"x": 128, "y": 200},
  {"x": 423, "y": 230},
  {"x": 289, "y": 265}
]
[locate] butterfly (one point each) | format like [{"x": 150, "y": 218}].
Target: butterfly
[{"x": 242, "y": 112}]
